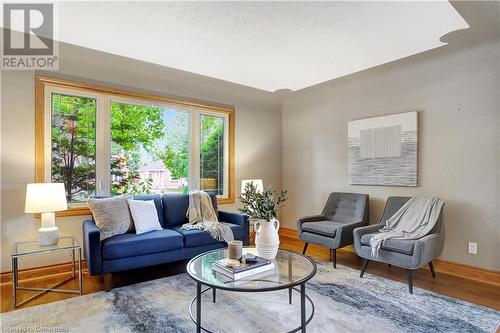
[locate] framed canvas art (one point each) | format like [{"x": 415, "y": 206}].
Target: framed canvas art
[{"x": 383, "y": 150}]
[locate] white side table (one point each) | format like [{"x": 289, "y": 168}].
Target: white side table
[{"x": 24, "y": 249}]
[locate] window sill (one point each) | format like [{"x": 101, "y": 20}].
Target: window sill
[
  {"x": 225, "y": 201},
  {"x": 76, "y": 211}
]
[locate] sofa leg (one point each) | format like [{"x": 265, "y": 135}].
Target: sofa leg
[
  {"x": 409, "y": 273},
  {"x": 363, "y": 268},
  {"x": 334, "y": 253},
  {"x": 305, "y": 248},
  {"x": 433, "y": 272},
  {"x": 108, "y": 281}
]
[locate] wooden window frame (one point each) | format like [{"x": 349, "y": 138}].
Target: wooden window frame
[{"x": 42, "y": 82}]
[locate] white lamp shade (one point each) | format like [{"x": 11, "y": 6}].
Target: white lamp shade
[
  {"x": 45, "y": 198},
  {"x": 256, "y": 182}
]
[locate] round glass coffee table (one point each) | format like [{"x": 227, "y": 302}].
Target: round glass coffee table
[{"x": 291, "y": 271}]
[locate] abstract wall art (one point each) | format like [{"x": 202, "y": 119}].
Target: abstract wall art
[{"x": 383, "y": 150}]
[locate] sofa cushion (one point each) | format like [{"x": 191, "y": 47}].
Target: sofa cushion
[
  {"x": 130, "y": 245},
  {"x": 175, "y": 206},
  {"x": 159, "y": 208},
  {"x": 396, "y": 245},
  {"x": 324, "y": 228},
  {"x": 145, "y": 216},
  {"x": 111, "y": 215},
  {"x": 195, "y": 237}
]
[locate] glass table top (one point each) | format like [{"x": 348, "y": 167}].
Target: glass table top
[
  {"x": 290, "y": 269},
  {"x": 34, "y": 247}
]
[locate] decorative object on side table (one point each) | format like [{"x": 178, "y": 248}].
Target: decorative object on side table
[
  {"x": 46, "y": 198},
  {"x": 262, "y": 206}
]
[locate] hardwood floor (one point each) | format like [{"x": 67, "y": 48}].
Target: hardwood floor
[
  {"x": 461, "y": 288},
  {"x": 465, "y": 289}
]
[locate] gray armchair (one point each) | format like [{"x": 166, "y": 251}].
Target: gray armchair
[
  {"x": 408, "y": 254},
  {"x": 333, "y": 228}
]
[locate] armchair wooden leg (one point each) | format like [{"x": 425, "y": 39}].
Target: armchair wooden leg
[
  {"x": 409, "y": 273},
  {"x": 108, "y": 281},
  {"x": 433, "y": 272},
  {"x": 363, "y": 268},
  {"x": 334, "y": 258},
  {"x": 305, "y": 248}
]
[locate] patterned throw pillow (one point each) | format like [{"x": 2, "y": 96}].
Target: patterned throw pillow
[{"x": 111, "y": 215}]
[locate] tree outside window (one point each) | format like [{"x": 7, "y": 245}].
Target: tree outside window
[
  {"x": 150, "y": 148},
  {"x": 74, "y": 145}
]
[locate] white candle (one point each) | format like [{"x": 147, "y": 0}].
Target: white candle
[{"x": 235, "y": 249}]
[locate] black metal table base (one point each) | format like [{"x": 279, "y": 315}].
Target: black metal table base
[{"x": 303, "y": 296}]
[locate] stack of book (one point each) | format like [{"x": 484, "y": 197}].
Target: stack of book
[{"x": 260, "y": 265}]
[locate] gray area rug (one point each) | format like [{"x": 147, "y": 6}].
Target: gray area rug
[{"x": 343, "y": 301}]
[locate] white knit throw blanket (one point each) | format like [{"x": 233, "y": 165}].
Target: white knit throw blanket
[
  {"x": 201, "y": 215},
  {"x": 413, "y": 220}
]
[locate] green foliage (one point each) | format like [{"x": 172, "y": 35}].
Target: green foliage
[
  {"x": 128, "y": 182},
  {"x": 261, "y": 205},
  {"x": 134, "y": 186},
  {"x": 212, "y": 149},
  {"x": 175, "y": 153},
  {"x": 73, "y": 145},
  {"x": 133, "y": 127}
]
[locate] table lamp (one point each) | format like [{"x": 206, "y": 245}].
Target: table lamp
[
  {"x": 46, "y": 198},
  {"x": 256, "y": 182}
]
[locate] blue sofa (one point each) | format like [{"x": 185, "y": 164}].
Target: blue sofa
[{"x": 131, "y": 251}]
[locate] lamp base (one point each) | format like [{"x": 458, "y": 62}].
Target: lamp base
[{"x": 48, "y": 236}]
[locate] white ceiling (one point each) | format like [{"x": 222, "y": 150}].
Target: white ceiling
[{"x": 265, "y": 45}]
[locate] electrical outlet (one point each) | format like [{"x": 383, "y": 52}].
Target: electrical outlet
[{"x": 472, "y": 248}]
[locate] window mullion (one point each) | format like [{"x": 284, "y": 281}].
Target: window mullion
[
  {"x": 47, "y": 142},
  {"x": 194, "y": 149},
  {"x": 226, "y": 156},
  {"x": 103, "y": 151}
]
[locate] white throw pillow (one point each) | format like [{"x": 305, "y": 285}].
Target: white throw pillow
[{"x": 144, "y": 215}]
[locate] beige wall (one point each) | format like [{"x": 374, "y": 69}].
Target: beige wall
[
  {"x": 456, "y": 93},
  {"x": 258, "y": 131}
]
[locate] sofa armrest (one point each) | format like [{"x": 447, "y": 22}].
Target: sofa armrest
[
  {"x": 239, "y": 219},
  {"x": 312, "y": 218},
  {"x": 427, "y": 249},
  {"x": 344, "y": 233},
  {"x": 358, "y": 232},
  {"x": 92, "y": 247}
]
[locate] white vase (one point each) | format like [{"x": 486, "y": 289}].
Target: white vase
[{"x": 267, "y": 240}]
